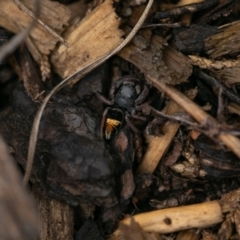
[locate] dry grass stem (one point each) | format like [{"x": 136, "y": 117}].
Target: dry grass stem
[{"x": 205, "y": 63}]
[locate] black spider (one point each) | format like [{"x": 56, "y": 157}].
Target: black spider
[{"x": 126, "y": 94}]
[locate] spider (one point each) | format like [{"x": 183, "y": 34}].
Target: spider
[{"x": 125, "y": 95}]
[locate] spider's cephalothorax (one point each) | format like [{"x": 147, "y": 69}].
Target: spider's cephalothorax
[{"x": 125, "y": 95}]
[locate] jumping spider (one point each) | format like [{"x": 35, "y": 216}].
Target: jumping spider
[{"x": 125, "y": 95}]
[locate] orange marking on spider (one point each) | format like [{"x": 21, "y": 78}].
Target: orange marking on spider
[{"x": 111, "y": 125}]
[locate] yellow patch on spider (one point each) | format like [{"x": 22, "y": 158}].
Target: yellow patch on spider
[{"x": 111, "y": 125}]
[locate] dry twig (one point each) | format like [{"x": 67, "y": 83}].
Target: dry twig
[
  {"x": 176, "y": 219},
  {"x": 197, "y": 113}
]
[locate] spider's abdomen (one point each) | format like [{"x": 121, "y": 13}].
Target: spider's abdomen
[{"x": 125, "y": 96}]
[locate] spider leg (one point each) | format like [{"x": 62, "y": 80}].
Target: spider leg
[
  {"x": 113, "y": 88},
  {"x": 104, "y": 117},
  {"x": 135, "y": 116},
  {"x": 103, "y": 99},
  {"x": 142, "y": 96},
  {"x": 130, "y": 124}
]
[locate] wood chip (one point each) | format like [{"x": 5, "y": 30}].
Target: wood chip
[
  {"x": 160, "y": 61},
  {"x": 55, "y": 217},
  {"x": 53, "y": 14},
  {"x": 95, "y": 36},
  {"x": 225, "y": 42}
]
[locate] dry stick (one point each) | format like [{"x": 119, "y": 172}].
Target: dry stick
[
  {"x": 51, "y": 31},
  {"x": 175, "y": 219},
  {"x": 196, "y": 112},
  {"x": 11, "y": 45},
  {"x": 159, "y": 144},
  {"x": 74, "y": 76}
]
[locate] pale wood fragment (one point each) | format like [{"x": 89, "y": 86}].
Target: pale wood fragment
[
  {"x": 158, "y": 145},
  {"x": 225, "y": 42},
  {"x": 233, "y": 108},
  {"x": 45, "y": 34},
  {"x": 53, "y": 14},
  {"x": 95, "y": 36},
  {"x": 175, "y": 219}
]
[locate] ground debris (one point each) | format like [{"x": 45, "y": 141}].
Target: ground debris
[{"x": 167, "y": 168}]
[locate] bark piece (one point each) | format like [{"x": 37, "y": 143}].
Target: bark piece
[
  {"x": 31, "y": 75},
  {"x": 190, "y": 40},
  {"x": 152, "y": 59},
  {"x": 18, "y": 213},
  {"x": 96, "y": 35},
  {"x": 56, "y": 219},
  {"x": 71, "y": 163},
  {"x": 215, "y": 161}
]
